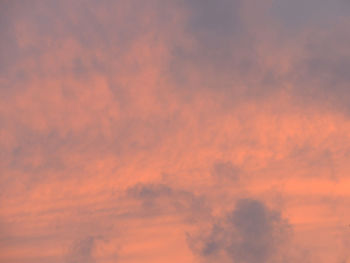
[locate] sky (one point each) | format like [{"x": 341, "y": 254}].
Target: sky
[{"x": 191, "y": 131}]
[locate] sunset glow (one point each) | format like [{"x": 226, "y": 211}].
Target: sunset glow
[{"x": 175, "y": 131}]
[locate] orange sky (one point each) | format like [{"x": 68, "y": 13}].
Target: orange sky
[{"x": 174, "y": 131}]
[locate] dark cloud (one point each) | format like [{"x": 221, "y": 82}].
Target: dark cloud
[
  {"x": 214, "y": 22},
  {"x": 251, "y": 233},
  {"x": 294, "y": 15},
  {"x": 321, "y": 75},
  {"x": 225, "y": 52},
  {"x": 232, "y": 41},
  {"x": 317, "y": 34}
]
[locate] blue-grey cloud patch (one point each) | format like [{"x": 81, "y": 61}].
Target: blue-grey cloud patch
[
  {"x": 82, "y": 251},
  {"x": 228, "y": 51},
  {"x": 251, "y": 233},
  {"x": 317, "y": 33},
  {"x": 220, "y": 37},
  {"x": 319, "y": 160},
  {"x": 293, "y": 16},
  {"x": 212, "y": 21},
  {"x": 160, "y": 199},
  {"x": 31, "y": 31},
  {"x": 225, "y": 171},
  {"x": 225, "y": 52},
  {"x": 321, "y": 75}
]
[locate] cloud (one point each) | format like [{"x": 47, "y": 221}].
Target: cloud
[
  {"x": 321, "y": 73},
  {"x": 82, "y": 251},
  {"x": 160, "y": 199},
  {"x": 225, "y": 170},
  {"x": 220, "y": 50},
  {"x": 251, "y": 233},
  {"x": 232, "y": 98},
  {"x": 294, "y": 16},
  {"x": 214, "y": 21}
]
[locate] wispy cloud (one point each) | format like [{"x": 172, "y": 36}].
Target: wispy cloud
[{"x": 124, "y": 121}]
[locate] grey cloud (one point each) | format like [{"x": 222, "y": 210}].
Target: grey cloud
[
  {"x": 317, "y": 33},
  {"x": 219, "y": 33},
  {"x": 319, "y": 160},
  {"x": 293, "y": 16},
  {"x": 229, "y": 50},
  {"x": 225, "y": 170},
  {"x": 321, "y": 75},
  {"x": 8, "y": 43},
  {"x": 94, "y": 25},
  {"x": 150, "y": 191},
  {"x": 82, "y": 251},
  {"x": 214, "y": 21},
  {"x": 157, "y": 199},
  {"x": 224, "y": 52},
  {"x": 251, "y": 233}
]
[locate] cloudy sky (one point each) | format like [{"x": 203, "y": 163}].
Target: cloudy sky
[{"x": 193, "y": 131}]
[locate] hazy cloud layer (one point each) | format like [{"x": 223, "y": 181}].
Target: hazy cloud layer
[{"x": 125, "y": 125}]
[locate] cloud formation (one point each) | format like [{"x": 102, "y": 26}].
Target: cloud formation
[
  {"x": 250, "y": 233},
  {"x": 82, "y": 251},
  {"x": 125, "y": 120}
]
